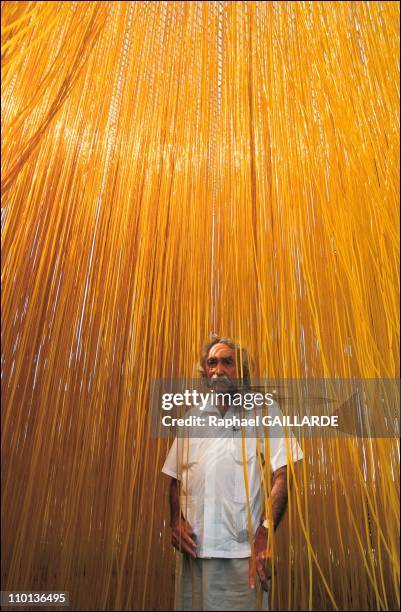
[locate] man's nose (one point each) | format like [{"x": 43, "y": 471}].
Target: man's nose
[{"x": 219, "y": 371}]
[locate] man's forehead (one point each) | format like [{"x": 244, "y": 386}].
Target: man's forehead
[{"x": 221, "y": 350}]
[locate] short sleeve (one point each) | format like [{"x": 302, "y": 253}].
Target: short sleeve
[
  {"x": 284, "y": 447},
  {"x": 172, "y": 465}
]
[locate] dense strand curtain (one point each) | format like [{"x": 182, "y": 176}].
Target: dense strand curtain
[{"x": 172, "y": 169}]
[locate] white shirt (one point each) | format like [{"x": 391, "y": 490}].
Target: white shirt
[{"x": 214, "y": 500}]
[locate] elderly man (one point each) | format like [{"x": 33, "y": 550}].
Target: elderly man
[{"x": 210, "y": 526}]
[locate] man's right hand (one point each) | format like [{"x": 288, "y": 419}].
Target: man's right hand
[{"x": 183, "y": 537}]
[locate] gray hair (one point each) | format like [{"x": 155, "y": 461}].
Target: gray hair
[{"x": 240, "y": 353}]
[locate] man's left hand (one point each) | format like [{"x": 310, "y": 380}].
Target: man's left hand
[{"x": 261, "y": 564}]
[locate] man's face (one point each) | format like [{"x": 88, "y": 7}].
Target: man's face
[{"x": 221, "y": 367}]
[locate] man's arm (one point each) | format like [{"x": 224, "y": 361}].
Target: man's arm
[
  {"x": 279, "y": 498},
  {"x": 182, "y": 535},
  {"x": 174, "y": 501},
  {"x": 279, "y": 495}
]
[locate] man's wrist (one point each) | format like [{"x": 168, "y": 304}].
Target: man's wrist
[
  {"x": 266, "y": 524},
  {"x": 176, "y": 519}
]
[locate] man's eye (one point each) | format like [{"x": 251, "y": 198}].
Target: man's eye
[
  {"x": 211, "y": 362},
  {"x": 229, "y": 362}
]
